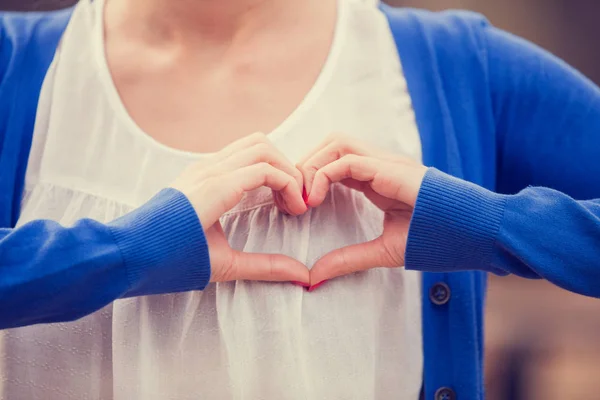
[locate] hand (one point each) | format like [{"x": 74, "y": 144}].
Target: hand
[
  {"x": 214, "y": 186},
  {"x": 390, "y": 182}
]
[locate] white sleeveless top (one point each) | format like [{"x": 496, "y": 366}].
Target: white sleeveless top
[{"x": 357, "y": 337}]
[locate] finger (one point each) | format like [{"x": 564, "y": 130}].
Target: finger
[
  {"x": 351, "y": 259},
  {"x": 332, "y": 149},
  {"x": 336, "y": 140},
  {"x": 357, "y": 168},
  {"x": 324, "y": 143},
  {"x": 222, "y": 192},
  {"x": 227, "y": 151},
  {"x": 268, "y": 267},
  {"x": 381, "y": 202},
  {"x": 243, "y": 143},
  {"x": 280, "y": 203},
  {"x": 264, "y": 174},
  {"x": 335, "y": 148},
  {"x": 257, "y": 153}
]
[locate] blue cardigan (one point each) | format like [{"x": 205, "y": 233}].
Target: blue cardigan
[{"x": 492, "y": 109}]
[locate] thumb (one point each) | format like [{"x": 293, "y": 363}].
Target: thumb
[
  {"x": 268, "y": 267},
  {"x": 350, "y": 259}
]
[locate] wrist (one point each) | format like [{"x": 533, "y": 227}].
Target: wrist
[
  {"x": 163, "y": 246},
  {"x": 454, "y": 225},
  {"x": 417, "y": 176}
]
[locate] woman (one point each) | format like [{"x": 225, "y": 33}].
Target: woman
[{"x": 140, "y": 90}]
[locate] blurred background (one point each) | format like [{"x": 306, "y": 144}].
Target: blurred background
[{"x": 541, "y": 342}]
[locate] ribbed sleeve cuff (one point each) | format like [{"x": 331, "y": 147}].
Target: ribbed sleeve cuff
[
  {"x": 163, "y": 246},
  {"x": 454, "y": 225}
]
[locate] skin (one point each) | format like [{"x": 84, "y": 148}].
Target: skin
[
  {"x": 389, "y": 181},
  {"x": 216, "y": 185},
  {"x": 197, "y": 63}
]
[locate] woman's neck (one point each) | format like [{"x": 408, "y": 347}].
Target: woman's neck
[
  {"x": 206, "y": 21},
  {"x": 183, "y": 72}
]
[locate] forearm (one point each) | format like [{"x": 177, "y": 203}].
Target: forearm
[
  {"x": 50, "y": 273},
  {"x": 537, "y": 233}
]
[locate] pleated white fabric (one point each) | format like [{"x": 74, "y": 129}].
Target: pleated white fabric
[{"x": 357, "y": 337}]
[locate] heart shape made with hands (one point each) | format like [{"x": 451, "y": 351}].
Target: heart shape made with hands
[
  {"x": 389, "y": 181},
  {"x": 217, "y": 184}
]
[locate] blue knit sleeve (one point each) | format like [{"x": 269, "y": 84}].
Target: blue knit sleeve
[
  {"x": 51, "y": 273},
  {"x": 542, "y": 221},
  {"x": 536, "y": 233},
  {"x": 547, "y": 119}
]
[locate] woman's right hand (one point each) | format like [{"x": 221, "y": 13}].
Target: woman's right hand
[{"x": 215, "y": 185}]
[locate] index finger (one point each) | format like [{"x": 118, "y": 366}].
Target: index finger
[
  {"x": 357, "y": 168},
  {"x": 332, "y": 150}
]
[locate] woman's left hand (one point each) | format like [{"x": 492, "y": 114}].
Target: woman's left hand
[{"x": 391, "y": 182}]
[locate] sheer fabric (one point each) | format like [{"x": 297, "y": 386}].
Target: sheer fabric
[{"x": 357, "y": 337}]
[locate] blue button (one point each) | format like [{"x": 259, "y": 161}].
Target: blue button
[
  {"x": 439, "y": 293},
  {"x": 445, "y": 393}
]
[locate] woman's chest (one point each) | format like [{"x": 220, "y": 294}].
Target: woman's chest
[
  {"x": 86, "y": 139},
  {"x": 80, "y": 143}
]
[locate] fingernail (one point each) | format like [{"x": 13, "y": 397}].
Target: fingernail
[
  {"x": 301, "y": 284},
  {"x": 315, "y": 287},
  {"x": 304, "y": 195}
]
